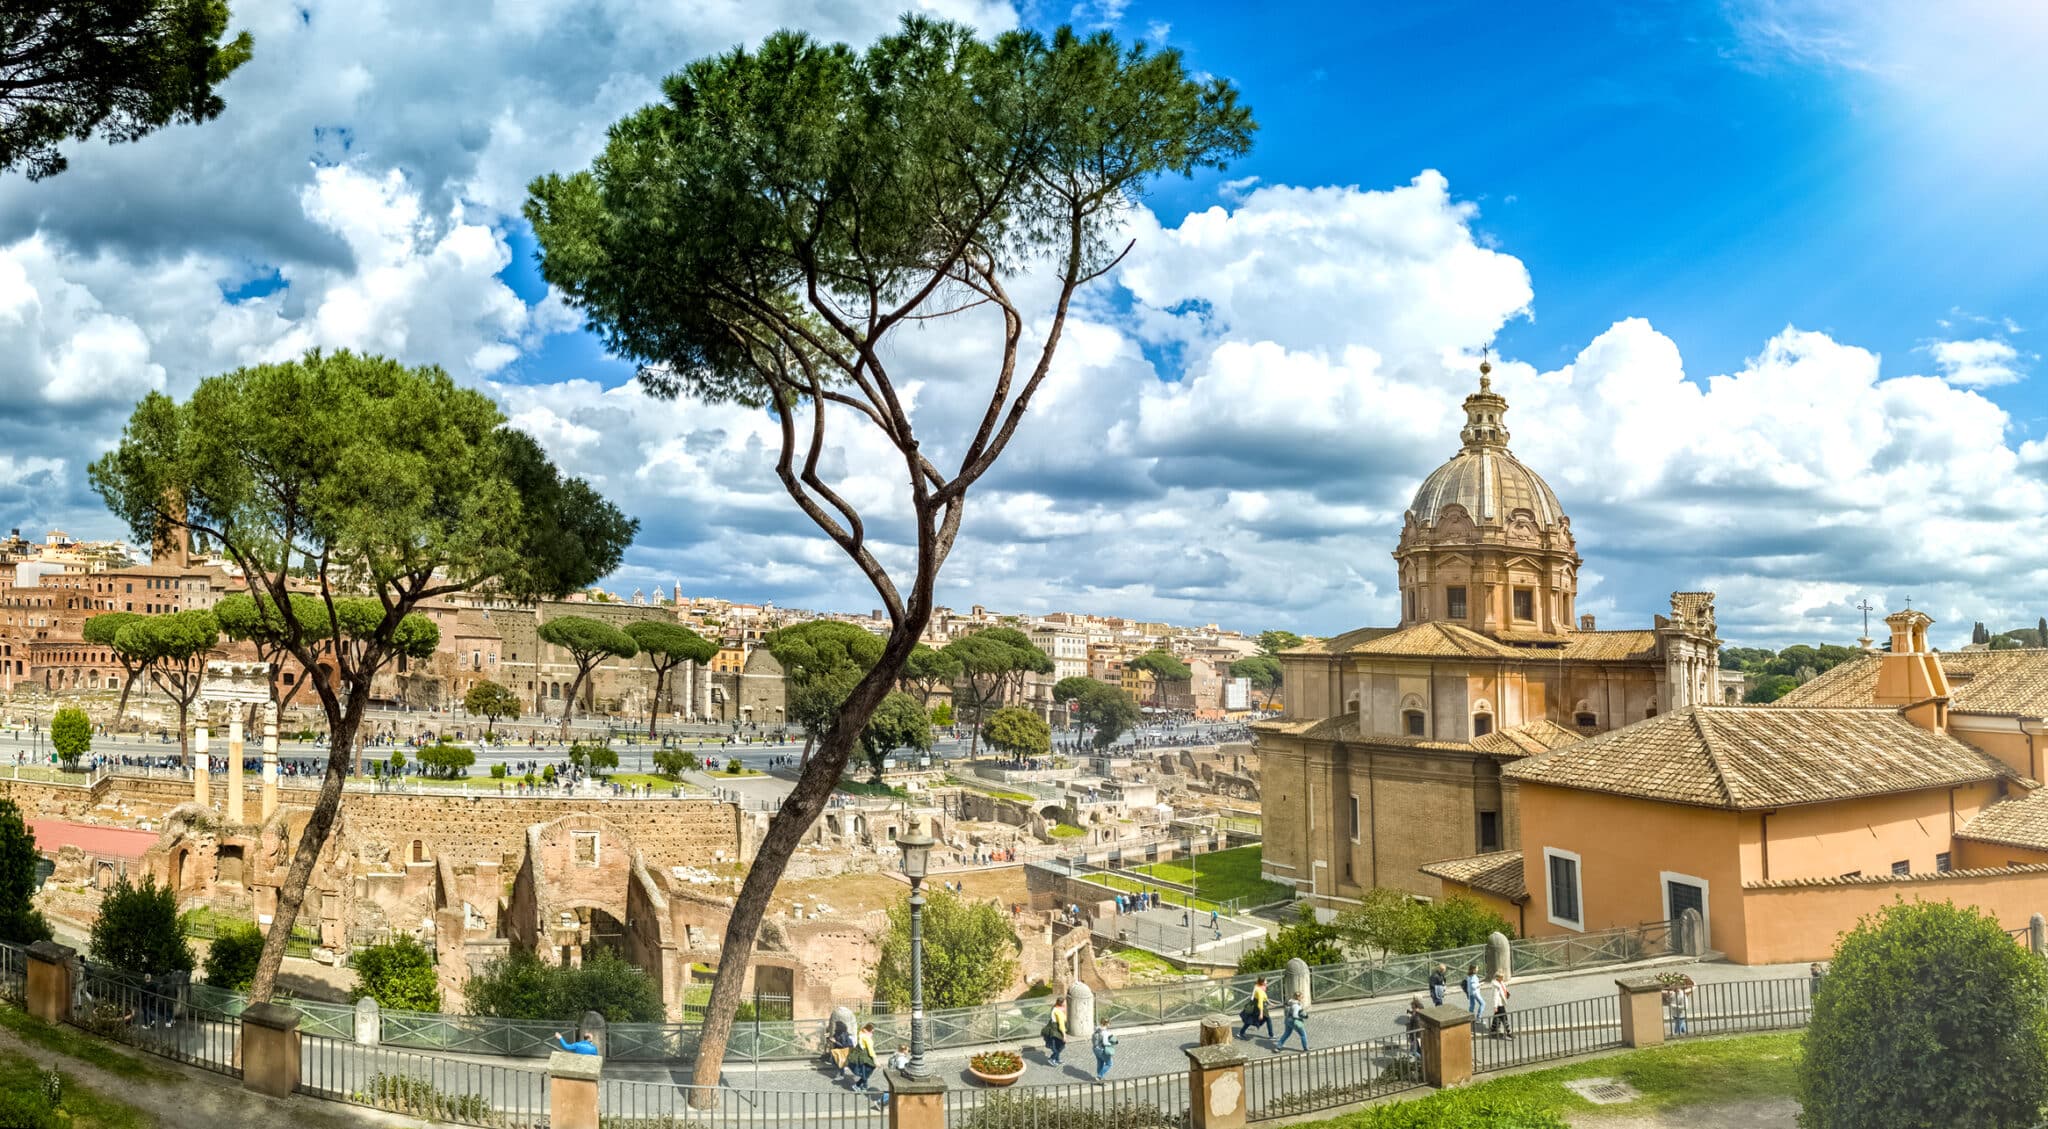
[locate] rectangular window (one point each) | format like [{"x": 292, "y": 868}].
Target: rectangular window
[
  {"x": 1489, "y": 831},
  {"x": 1525, "y": 604},
  {"x": 1354, "y": 819},
  {"x": 1454, "y": 602},
  {"x": 1902, "y": 867},
  {"x": 1414, "y": 720},
  {"x": 1942, "y": 864},
  {"x": 1565, "y": 908}
]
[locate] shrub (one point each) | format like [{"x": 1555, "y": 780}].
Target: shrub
[
  {"x": 1459, "y": 1109},
  {"x": 498, "y": 772},
  {"x": 137, "y": 931},
  {"x": 547, "y": 774},
  {"x": 446, "y": 761},
  {"x": 1394, "y": 921},
  {"x": 396, "y": 762},
  {"x": 1308, "y": 939},
  {"x": 1930, "y": 1016},
  {"x": 405, "y": 1093},
  {"x": 71, "y": 735},
  {"x": 398, "y": 974},
  {"x": 231, "y": 959},
  {"x": 734, "y": 766},
  {"x": 28, "y": 1109},
  {"x": 672, "y": 762},
  {"x": 520, "y": 985},
  {"x": 20, "y": 922},
  {"x": 1007, "y": 1109}
]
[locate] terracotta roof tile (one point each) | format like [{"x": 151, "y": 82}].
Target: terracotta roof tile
[
  {"x": 1754, "y": 757},
  {"x": 1891, "y": 879},
  {"x": 2018, "y": 822},
  {"x": 1515, "y": 741},
  {"x": 1528, "y": 739},
  {"x": 2012, "y": 683},
  {"x": 1496, "y": 872},
  {"x": 1449, "y": 640}
]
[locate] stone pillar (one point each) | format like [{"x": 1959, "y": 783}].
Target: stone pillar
[
  {"x": 1642, "y": 1011},
  {"x": 269, "y": 1050},
  {"x": 916, "y": 1103},
  {"x": 202, "y": 765},
  {"x": 1080, "y": 1012},
  {"x": 1216, "y": 1031},
  {"x": 1500, "y": 956},
  {"x": 1694, "y": 932},
  {"x": 572, "y": 1090},
  {"x": 269, "y": 761},
  {"x": 1297, "y": 982},
  {"x": 1216, "y": 1087},
  {"x": 1446, "y": 1045},
  {"x": 591, "y": 1028},
  {"x": 50, "y": 967},
  {"x": 2037, "y": 935},
  {"x": 234, "y": 765},
  {"x": 369, "y": 1022}
]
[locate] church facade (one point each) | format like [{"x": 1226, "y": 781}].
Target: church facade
[{"x": 1390, "y": 754}]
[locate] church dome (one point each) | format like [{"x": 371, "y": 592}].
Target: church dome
[{"x": 1484, "y": 478}]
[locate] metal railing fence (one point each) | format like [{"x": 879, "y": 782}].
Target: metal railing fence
[
  {"x": 160, "y": 1022},
  {"x": 1328, "y": 1077},
  {"x": 626, "y": 1104},
  {"x": 316, "y": 1017},
  {"x": 1539, "y": 1034},
  {"x": 466, "y": 1093},
  {"x": 1741, "y": 1005},
  {"x": 13, "y": 970},
  {"x": 1152, "y": 1101}
]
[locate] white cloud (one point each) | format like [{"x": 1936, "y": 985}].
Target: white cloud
[{"x": 1977, "y": 363}]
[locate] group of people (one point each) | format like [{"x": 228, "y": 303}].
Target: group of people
[
  {"x": 852, "y": 1054},
  {"x": 1258, "y": 1012},
  {"x": 1103, "y": 1042}
]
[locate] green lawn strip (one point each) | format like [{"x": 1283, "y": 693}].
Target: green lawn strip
[
  {"x": 22, "y": 1078},
  {"x": 1146, "y": 964},
  {"x": 1134, "y": 886},
  {"x": 1701, "y": 1072},
  {"x": 1231, "y": 875},
  {"x": 78, "y": 1045},
  {"x": 659, "y": 784},
  {"x": 998, "y": 793},
  {"x": 1066, "y": 831}
]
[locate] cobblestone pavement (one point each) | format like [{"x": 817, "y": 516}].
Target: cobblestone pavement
[{"x": 1158, "y": 1050}]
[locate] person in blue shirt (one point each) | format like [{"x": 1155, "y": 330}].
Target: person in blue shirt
[{"x": 579, "y": 1047}]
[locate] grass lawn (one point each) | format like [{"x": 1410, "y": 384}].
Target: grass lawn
[
  {"x": 1149, "y": 968},
  {"x": 1222, "y": 875},
  {"x": 78, "y": 1045},
  {"x": 1066, "y": 831},
  {"x": 206, "y": 922},
  {"x": 21, "y": 1080},
  {"x": 1694, "y": 1073},
  {"x": 660, "y": 784},
  {"x": 998, "y": 793}
]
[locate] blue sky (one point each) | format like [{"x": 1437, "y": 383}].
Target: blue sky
[{"x": 1760, "y": 279}]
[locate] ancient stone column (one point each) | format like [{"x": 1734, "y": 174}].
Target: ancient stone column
[
  {"x": 269, "y": 761},
  {"x": 234, "y": 766},
  {"x": 1500, "y": 956},
  {"x": 1080, "y": 1011},
  {"x": 1298, "y": 981},
  {"x": 202, "y": 764},
  {"x": 704, "y": 694}
]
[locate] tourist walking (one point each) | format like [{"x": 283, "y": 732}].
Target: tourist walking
[
  {"x": 1105, "y": 1049},
  {"x": 1497, "y": 995},
  {"x": 1055, "y": 1033},
  {"x": 1255, "y": 1013},
  {"x": 1295, "y": 1017},
  {"x": 863, "y": 1059},
  {"x": 1473, "y": 1000},
  {"x": 1438, "y": 982},
  {"x": 1411, "y": 1021}
]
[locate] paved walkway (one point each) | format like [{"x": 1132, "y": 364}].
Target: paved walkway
[{"x": 1158, "y": 1050}]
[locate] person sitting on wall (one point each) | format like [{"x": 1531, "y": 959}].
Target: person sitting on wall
[{"x": 579, "y": 1047}]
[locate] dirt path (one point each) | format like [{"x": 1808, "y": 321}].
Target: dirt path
[{"x": 1772, "y": 1113}]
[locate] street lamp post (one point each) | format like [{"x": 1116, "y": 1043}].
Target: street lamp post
[{"x": 917, "y": 854}]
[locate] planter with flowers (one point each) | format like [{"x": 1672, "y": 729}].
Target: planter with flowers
[{"x": 997, "y": 1068}]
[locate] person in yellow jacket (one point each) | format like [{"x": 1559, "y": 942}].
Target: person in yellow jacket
[
  {"x": 1255, "y": 1012},
  {"x": 1055, "y": 1033},
  {"x": 863, "y": 1057}
]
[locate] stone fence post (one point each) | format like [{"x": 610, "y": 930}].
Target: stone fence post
[
  {"x": 591, "y": 1028},
  {"x": 269, "y": 1049},
  {"x": 1446, "y": 1045},
  {"x": 1692, "y": 933},
  {"x": 1216, "y": 1087},
  {"x": 572, "y": 1090},
  {"x": 1298, "y": 982},
  {"x": 1080, "y": 1011},
  {"x": 369, "y": 1022},
  {"x": 49, "y": 980},
  {"x": 1216, "y": 1031},
  {"x": 2037, "y": 935},
  {"x": 915, "y": 1103},
  {"x": 1642, "y": 1011}
]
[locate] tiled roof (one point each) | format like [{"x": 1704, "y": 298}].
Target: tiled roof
[
  {"x": 1437, "y": 639},
  {"x": 1610, "y": 646},
  {"x": 1753, "y": 757},
  {"x": 1338, "y": 644},
  {"x": 2018, "y": 822},
  {"x": 1528, "y": 739},
  {"x": 1892, "y": 879},
  {"x": 1497, "y": 872},
  {"x": 1515, "y": 741},
  {"x": 1431, "y": 640},
  {"x": 2013, "y": 683}
]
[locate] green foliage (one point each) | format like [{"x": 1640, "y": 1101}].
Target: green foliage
[
  {"x": 20, "y": 922},
  {"x": 1478, "y": 1108},
  {"x": 898, "y": 723},
  {"x": 547, "y": 774},
  {"x": 396, "y": 761},
  {"x": 1276, "y": 641},
  {"x": 1262, "y": 670},
  {"x": 137, "y": 931},
  {"x": 123, "y": 70},
  {"x": 493, "y": 703},
  {"x": 822, "y": 661},
  {"x": 499, "y": 771},
  {"x": 1018, "y": 732},
  {"x": 1308, "y": 939},
  {"x": 598, "y": 758},
  {"x": 734, "y": 767},
  {"x": 927, "y": 669},
  {"x": 398, "y": 974},
  {"x": 970, "y": 951},
  {"x": 672, "y": 762},
  {"x": 942, "y": 714},
  {"x": 1788, "y": 662},
  {"x": 1108, "y": 711},
  {"x": 1071, "y": 687},
  {"x": 1008, "y": 1109},
  {"x": 990, "y": 660},
  {"x": 1929, "y": 1017},
  {"x": 1162, "y": 665},
  {"x": 588, "y": 639},
  {"x": 1769, "y": 688},
  {"x": 520, "y": 985},
  {"x": 71, "y": 734},
  {"x": 1394, "y": 921},
  {"x": 445, "y": 761},
  {"x": 669, "y": 645},
  {"x": 231, "y": 957}
]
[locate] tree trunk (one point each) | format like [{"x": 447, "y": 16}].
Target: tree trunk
[
  {"x": 121, "y": 711},
  {"x": 786, "y": 830},
  {"x": 292, "y": 894},
  {"x": 569, "y": 701},
  {"x": 654, "y": 703},
  {"x": 184, "y": 733}
]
